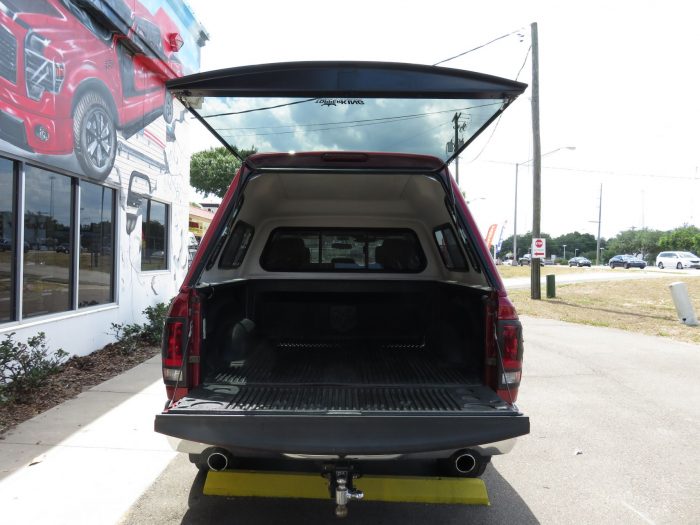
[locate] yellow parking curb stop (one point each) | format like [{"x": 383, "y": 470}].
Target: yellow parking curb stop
[{"x": 413, "y": 489}]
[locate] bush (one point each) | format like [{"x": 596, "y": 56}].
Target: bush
[
  {"x": 130, "y": 336},
  {"x": 26, "y": 366},
  {"x": 153, "y": 330}
]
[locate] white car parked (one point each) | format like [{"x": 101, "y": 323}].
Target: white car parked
[{"x": 677, "y": 260}]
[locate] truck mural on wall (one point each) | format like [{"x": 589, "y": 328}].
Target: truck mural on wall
[{"x": 75, "y": 74}]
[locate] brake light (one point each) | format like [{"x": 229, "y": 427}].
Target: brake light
[
  {"x": 504, "y": 356},
  {"x": 177, "y": 347},
  {"x": 175, "y": 41},
  {"x": 174, "y": 352}
]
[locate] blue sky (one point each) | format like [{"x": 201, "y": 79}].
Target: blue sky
[{"x": 616, "y": 82}]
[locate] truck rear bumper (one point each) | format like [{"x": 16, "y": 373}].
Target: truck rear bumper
[
  {"x": 185, "y": 446},
  {"x": 342, "y": 435}
]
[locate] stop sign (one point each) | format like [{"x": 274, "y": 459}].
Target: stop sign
[{"x": 539, "y": 248}]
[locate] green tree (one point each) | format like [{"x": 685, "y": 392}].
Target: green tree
[
  {"x": 212, "y": 170},
  {"x": 685, "y": 238}
]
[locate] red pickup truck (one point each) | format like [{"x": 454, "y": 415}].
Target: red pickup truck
[
  {"x": 72, "y": 75},
  {"x": 342, "y": 312}
]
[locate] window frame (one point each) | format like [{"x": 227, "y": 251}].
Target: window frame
[
  {"x": 166, "y": 235},
  {"x": 115, "y": 244},
  {"x": 18, "y": 316},
  {"x": 249, "y": 229},
  {"x": 330, "y": 229},
  {"x": 441, "y": 228}
]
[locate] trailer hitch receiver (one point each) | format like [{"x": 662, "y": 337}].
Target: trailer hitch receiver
[{"x": 341, "y": 487}]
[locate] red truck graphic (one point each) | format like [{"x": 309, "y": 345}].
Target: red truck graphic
[{"x": 73, "y": 72}]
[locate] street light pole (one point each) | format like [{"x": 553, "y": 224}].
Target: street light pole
[{"x": 564, "y": 251}]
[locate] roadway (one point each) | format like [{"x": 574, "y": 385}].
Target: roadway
[{"x": 579, "y": 275}]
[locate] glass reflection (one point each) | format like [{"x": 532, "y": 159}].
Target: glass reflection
[
  {"x": 154, "y": 235},
  {"x": 47, "y": 232},
  {"x": 96, "y": 266},
  {"x": 6, "y": 239}
]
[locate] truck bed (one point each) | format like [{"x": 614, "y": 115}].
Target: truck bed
[{"x": 321, "y": 378}]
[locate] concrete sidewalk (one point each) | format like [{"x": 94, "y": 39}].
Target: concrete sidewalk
[{"x": 88, "y": 459}]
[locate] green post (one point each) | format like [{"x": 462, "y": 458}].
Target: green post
[{"x": 551, "y": 287}]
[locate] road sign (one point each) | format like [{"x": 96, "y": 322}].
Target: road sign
[{"x": 539, "y": 248}]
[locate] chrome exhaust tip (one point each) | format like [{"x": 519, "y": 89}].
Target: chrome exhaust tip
[
  {"x": 218, "y": 460},
  {"x": 465, "y": 463}
]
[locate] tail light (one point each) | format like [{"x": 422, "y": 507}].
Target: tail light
[
  {"x": 175, "y": 41},
  {"x": 181, "y": 345},
  {"x": 504, "y": 354}
]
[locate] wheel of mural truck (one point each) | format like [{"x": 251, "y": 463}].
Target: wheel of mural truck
[
  {"x": 168, "y": 111},
  {"x": 94, "y": 136}
]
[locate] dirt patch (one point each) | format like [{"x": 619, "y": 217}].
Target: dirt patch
[
  {"x": 643, "y": 306},
  {"x": 75, "y": 376}
]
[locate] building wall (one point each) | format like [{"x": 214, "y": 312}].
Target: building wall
[{"x": 94, "y": 165}]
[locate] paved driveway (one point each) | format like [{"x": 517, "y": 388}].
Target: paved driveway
[
  {"x": 615, "y": 428},
  {"x": 615, "y": 425}
]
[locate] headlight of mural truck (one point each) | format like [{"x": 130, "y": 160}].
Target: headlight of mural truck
[{"x": 41, "y": 73}]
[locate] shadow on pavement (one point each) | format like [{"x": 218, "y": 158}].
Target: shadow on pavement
[{"x": 506, "y": 507}]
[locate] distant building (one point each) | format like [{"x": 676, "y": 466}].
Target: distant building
[{"x": 200, "y": 219}]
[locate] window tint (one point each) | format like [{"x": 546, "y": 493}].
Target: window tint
[
  {"x": 449, "y": 248},
  {"x": 237, "y": 246},
  {"x": 7, "y": 240},
  {"x": 96, "y": 275},
  {"x": 154, "y": 235},
  {"x": 343, "y": 250},
  {"x": 48, "y": 231}
]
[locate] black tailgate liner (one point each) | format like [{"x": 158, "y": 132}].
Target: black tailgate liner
[{"x": 325, "y": 398}]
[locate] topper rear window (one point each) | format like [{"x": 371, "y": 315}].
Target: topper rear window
[{"x": 343, "y": 250}]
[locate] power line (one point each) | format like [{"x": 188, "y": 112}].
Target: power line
[
  {"x": 488, "y": 141},
  {"x": 524, "y": 62},
  {"x": 602, "y": 172},
  {"x": 338, "y": 125},
  {"x": 479, "y": 47}
]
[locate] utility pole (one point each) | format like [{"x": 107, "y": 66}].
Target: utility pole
[
  {"x": 515, "y": 219},
  {"x": 535, "y": 289},
  {"x": 600, "y": 214},
  {"x": 456, "y": 121}
]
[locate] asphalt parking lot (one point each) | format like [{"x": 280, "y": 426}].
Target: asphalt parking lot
[
  {"x": 614, "y": 440},
  {"x": 614, "y": 419}
]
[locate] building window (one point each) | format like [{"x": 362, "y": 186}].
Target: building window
[
  {"x": 48, "y": 231},
  {"x": 154, "y": 235},
  {"x": 7, "y": 240},
  {"x": 96, "y": 267}
]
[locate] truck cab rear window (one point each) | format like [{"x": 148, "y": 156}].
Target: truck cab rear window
[{"x": 343, "y": 250}]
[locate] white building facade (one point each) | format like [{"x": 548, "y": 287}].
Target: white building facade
[{"x": 94, "y": 164}]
